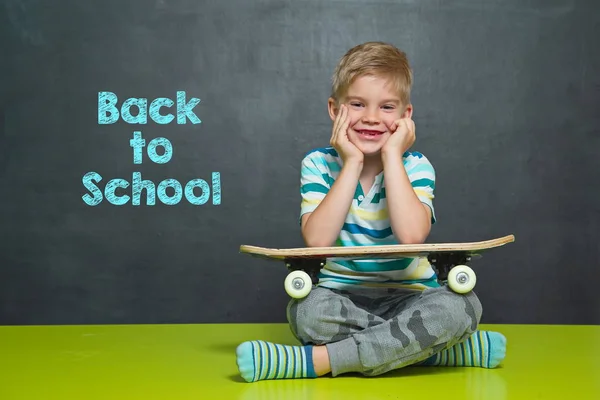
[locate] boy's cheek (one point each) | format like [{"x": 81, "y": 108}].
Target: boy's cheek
[{"x": 353, "y": 119}]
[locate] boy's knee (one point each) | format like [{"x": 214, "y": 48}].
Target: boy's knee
[
  {"x": 304, "y": 314},
  {"x": 325, "y": 316},
  {"x": 473, "y": 306},
  {"x": 468, "y": 305},
  {"x": 460, "y": 307}
]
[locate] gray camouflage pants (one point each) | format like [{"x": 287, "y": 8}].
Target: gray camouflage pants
[{"x": 375, "y": 331}]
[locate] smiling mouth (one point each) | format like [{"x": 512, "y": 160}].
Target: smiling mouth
[{"x": 368, "y": 132}]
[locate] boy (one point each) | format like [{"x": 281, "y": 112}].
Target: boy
[{"x": 372, "y": 316}]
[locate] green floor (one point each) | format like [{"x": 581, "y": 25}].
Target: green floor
[{"x": 197, "y": 362}]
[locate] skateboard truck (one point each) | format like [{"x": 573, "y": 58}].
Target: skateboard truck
[
  {"x": 303, "y": 275},
  {"x": 451, "y": 268}
]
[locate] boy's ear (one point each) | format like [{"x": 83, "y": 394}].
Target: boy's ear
[
  {"x": 332, "y": 108},
  {"x": 408, "y": 111}
]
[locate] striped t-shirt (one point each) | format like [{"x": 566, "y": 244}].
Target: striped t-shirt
[{"x": 368, "y": 223}]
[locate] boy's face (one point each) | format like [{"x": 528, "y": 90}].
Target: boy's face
[{"x": 373, "y": 106}]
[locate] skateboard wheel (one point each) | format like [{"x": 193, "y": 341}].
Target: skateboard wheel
[
  {"x": 461, "y": 279},
  {"x": 298, "y": 284}
]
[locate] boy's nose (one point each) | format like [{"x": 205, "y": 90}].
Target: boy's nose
[{"x": 370, "y": 119}]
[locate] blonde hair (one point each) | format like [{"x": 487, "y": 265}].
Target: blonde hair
[{"x": 375, "y": 59}]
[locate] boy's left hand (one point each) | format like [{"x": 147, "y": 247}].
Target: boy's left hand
[{"x": 402, "y": 136}]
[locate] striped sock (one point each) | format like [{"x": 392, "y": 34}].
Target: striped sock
[
  {"x": 258, "y": 360},
  {"x": 482, "y": 349}
]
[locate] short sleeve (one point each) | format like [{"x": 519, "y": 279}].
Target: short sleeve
[
  {"x": 313, "y": 183},
  {"x": 422, "y": 178}
]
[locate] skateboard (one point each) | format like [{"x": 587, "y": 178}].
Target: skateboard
[{"x": 449, "y": 260}]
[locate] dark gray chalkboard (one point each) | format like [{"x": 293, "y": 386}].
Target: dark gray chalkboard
[{"x": 506, "y": 97}]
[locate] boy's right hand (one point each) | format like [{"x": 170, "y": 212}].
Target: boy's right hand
[{"x": 339, "y": 138}]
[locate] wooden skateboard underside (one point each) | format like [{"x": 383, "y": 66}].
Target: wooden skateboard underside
[
  {"x": 447, "y": 259},
  {"x": 374, "y": 252}
]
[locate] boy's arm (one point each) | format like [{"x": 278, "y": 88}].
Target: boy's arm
[
  {"x": 325, "y": 208},
  {"x": 409, "y": 217},
  {"x": 321, "y": 227}
]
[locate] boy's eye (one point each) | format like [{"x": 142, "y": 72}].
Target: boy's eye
[
  {"x": 388, "y": 107},
  {"x": 355, "y": 104}
]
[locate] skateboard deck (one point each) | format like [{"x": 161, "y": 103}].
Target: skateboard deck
[{"x": 448, "y": 259}]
